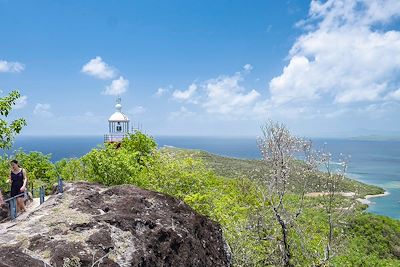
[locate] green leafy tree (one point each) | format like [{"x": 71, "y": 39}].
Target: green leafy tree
[
  {"x": 71, "y": 169},
  {"x": 4, "y": 173},
  {"x": 139, "y": 142},
  {"x": 40, "y": 169},
  {"x": 8, "y": 130}
]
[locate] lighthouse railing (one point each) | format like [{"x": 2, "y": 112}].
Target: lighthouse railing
[{"x": 115, "y": 137}]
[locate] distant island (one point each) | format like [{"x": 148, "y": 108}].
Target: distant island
[{"x": 376, "y": 137}]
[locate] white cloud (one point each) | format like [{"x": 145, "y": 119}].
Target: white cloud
[
  {"x": 117, "y": 87},
  {"x": 161, "y": 91},
  {"x": 98, "y": 68},
  {"x": 43, "y": 110},
  {"x": 13, "y": 67},
  {"x": 342, "y": 56},
  {"x": 185, "y": 95},
  {"x": 225, "y": 95},
  {"x": 395, "y": 95},
  {"x": 248, "y": 67},
  {"x": 21, "y": 102},
  {"x": 338, "y": 13}
]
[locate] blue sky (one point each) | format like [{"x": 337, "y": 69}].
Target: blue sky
[{"x": 325, "y": 68}]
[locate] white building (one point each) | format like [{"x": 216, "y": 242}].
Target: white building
[{"x": 118, "y": 125}]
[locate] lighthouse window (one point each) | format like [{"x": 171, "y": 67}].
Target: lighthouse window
[{"x": 119, "y": 128}]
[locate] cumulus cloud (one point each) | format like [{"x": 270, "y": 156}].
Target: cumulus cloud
[
  {"x": 98, "y": 68},
  {"x": 21, "y": 102},
  {"x": 186, "y": 95},
  {"x": 12, "y": 67},
  {"x": 43, "y": 110},
  {"x": 117, "y": 87},
  {"x": 347, "y": 61},
  {"x": 346, "y": 55},
  {"x": 225, "y": 95},
  {"x": 248, "y": 67},
  {"x": 161, "y": 91}
]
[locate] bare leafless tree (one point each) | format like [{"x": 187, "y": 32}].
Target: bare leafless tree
[
  {"x": 332, "y": 197},
  {"x": 280, "y": 149}
]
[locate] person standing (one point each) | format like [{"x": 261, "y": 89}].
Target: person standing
[{"x": 18, "y": 179}]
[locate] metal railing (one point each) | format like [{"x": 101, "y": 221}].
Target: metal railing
[
  {"x": 114, "y": 137},
  {"x": 12, "y": 201}
]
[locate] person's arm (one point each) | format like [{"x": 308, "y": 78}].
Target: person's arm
[
  {"x": 23, "y": 188},
  {"x": 9, "y": 179}
]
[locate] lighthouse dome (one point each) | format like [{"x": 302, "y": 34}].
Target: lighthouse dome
[
  {"x": 118, "y": 125},
  {"x": 118, "y": 115}
]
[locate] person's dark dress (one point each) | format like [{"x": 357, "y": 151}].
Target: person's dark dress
[{"x": 17, "y": 181}]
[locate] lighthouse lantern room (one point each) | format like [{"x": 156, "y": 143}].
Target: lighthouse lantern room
[{"x": 118, "y": 125}]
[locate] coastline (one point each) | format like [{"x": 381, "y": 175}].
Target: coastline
[{"x": 366, "y": 200}]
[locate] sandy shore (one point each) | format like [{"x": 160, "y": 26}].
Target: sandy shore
[{"x": 366, "y": 200}]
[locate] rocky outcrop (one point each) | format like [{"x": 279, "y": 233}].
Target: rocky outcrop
[
  {"x": 3, "y": 212},
  {"x": 112, "y": 226}
]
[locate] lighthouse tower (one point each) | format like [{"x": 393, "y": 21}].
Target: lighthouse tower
[{"x": 118, "y": 125}]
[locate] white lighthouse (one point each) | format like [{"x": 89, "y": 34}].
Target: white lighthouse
[{"x": 118, "y": 125}]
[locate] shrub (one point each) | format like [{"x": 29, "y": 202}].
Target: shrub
[{"x": 40, "y": 170}]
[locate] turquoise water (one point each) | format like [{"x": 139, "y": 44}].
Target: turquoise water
[{"x": 372, "y": 162}]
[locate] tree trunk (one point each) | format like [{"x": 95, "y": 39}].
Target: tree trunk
[{"x": 285, "y": 247}]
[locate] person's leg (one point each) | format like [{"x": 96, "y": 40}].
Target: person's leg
[{"x": 20, "y": 204}]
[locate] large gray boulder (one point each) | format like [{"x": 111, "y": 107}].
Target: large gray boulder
[{"x": 112, "y": 226}]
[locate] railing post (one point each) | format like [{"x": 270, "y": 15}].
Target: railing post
[
  {"x": 32, "y": 190},
  {"x": 60, "y": 185},
  {"x": 41, "y": 191},
  {"x": 13, "y": 208}
]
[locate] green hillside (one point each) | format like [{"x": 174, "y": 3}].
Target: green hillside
[{"x": 234, "y": 167}]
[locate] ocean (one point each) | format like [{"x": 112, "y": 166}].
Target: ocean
[{"x": 372, "y": 162}]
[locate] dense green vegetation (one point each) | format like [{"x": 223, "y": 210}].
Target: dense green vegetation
[
  {"x": 372, "y": 240},
  {"x": 40, "y": 170},
  {"x": 8, "y": 130},
  {"x": 234, "y": 167},
  {"x": 227, "y": 191}
]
